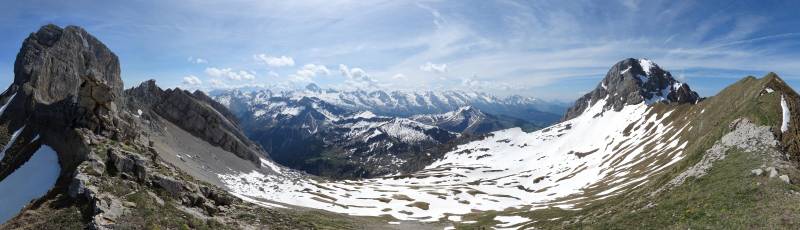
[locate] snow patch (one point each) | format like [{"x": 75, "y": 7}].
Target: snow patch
[
  {"x": 3, "y": 108},
  {"x": 292, "y": 111},
  {"x": 646, "y": 65},
  {"x": 510, "y": 169},
  {"x": 625, "y": 70},
  {"x": 11, "y": 141},
  {"x": 786, "y": 115},
  {"x": 365, "y": 115}
]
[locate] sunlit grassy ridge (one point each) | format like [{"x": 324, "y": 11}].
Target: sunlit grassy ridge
[{"x": 727, "y": 197}]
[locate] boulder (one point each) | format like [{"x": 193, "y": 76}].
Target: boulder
[
  {"x": 785, "y": 178},
  {"x": 756, "y": 172},
  {"x": 128, "y": 163},
  {"x": 169, "y": 184}
]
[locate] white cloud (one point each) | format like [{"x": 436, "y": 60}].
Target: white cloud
[
  {"x": 357, "y": 77},
  {"x": 192, "y": 80},
  {"x": 309, "y": 72},
  {"x": 273, "y": 74},
  {"x": 197, "y": 60},
  {"x": 399, "y": 76},
  {"x": 436, "y": 68},
  {"x": 273, "y": 61},
  {"x": 216, "y": 82},
  {"x": 230, "y": 73}
]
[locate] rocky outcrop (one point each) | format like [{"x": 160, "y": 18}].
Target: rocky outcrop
[
  {"x": 631, "y": 82},
  {"x": 64, "y": 80},
  {"x": 194, "y": 115},
  {"x": 745, "y": 136}
]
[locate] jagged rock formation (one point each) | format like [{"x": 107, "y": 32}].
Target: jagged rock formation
[
  {"x": 67, "y": 97},
  {"x": 199, "y": 115},
  {"x": 64, "y": 79},
  {"x": 631, "y": 82}
]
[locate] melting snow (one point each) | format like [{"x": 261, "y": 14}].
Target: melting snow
[
  {"x": 292, "y": 111},
  {"x": 11, "y": 141},
  {"x": 3, "y": 108},
  {"x": 626, "y": 70},
  {"x": 786, "y": 115},
  {"x": 365, "y": 115},
  {"x": 646, "y": 65},
  {"x": 511, "y": 169},
  {"x": 29, "y": 182}
]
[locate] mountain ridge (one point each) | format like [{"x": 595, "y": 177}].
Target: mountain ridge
[{"x": 408, "y": 103}]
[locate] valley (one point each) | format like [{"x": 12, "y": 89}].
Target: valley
[{"x": 641, "y": 150}]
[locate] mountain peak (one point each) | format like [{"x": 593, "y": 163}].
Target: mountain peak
[
  {"x": 313, "y": 87},
  {"x": 633, "y": 81}
]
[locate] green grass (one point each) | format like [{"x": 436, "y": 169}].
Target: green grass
[
  {"x": 726, "y": 198},
  {"x": 151, "y": 215}
]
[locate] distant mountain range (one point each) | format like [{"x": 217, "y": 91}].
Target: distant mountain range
[
  {"x": 302, "y": 131},
  {"x": 409, "y": 103},
  {"x": 640, "y": 151}
]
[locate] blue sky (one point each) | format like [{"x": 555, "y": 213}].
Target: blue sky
[{"x": 548, "y": 49}]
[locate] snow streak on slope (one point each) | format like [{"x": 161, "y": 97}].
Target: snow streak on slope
[
  {"x": 596, "y": 155},
  {"x": 786, "y": 115},
  {"x": 11, "y": 142},
  {"x": 29, "y": 182}
]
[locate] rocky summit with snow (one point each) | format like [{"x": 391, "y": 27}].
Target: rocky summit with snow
[
  {"x": 633, "y": 81},
  {"x": 641, "y": 151}
]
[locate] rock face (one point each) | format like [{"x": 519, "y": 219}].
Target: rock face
[
  {"x": 56, "y": 62},
  {"x": 195, "y": 114},
  {"x": 68, "y": 66},
  {"x": 65, "y": 80},
  {"x": 68, "y": 94},
  {"x": 631, "y": 82}
]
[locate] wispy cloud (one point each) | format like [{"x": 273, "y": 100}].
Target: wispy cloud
[
  {"x": 273, "y": 61},
  {"x": 195, "y": 60},
  {"x": 531, "y": 46},
  {"x": 192, "y": 80},
  {"x": 230, "y": 73}
]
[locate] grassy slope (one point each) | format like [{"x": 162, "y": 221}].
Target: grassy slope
[{"x": 725, "y": 198}]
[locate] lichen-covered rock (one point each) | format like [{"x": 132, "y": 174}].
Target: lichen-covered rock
[
  {"x": 785, "y": 179},
  {"x": 169, "y": 184},
  {"x": 128, "y": 163},
  {"x": 107, "y": 209}
]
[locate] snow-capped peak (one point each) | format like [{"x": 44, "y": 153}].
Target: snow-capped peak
[
  {"x": 633, "y": 81},
  {"x": 647, "y": 65}
]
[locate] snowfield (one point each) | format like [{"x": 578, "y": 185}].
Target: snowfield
[{"x": 594, "y": 156}]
